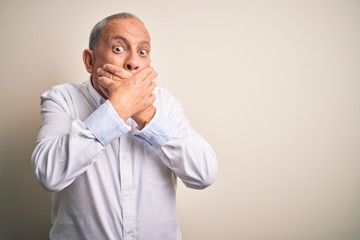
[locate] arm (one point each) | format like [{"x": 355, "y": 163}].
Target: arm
[
  {"x": 166, "y": 128},
  {"x": 65, "y": 147},
  {"x": 179, "y": 146}
]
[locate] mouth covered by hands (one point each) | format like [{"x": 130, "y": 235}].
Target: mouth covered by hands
[{"x": 130, "y": 94}]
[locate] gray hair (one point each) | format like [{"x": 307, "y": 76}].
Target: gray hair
[{"x": 97, "y": 29}]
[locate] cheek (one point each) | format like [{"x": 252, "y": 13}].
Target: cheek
[
  {"x": 107, "y": 57},
  {"x": 114, "y": 59},
  {"x": 146, "y": 63},
  {"x": 117, "y": 60}
]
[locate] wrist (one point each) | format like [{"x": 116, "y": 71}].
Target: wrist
[
  {"x": 144, "y": 117},
  {"x": 119, "y": 110}
]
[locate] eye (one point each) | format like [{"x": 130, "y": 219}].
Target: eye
[
  {"x": 143, "y": 52},
  {"x": 118, "y": 49}
]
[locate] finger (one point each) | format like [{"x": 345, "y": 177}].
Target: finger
[
  {"x": 104, "y": 90},
  {"x": 102, "y": 73},
  {"x": 143, "y": 73},
  {"x": 152, "y": 86},
  {"x": 152, "y": 99},
  {"x": 150, "y": 77},
  {"x": 117, "y": 71},
  {"x": 105, "y": 81}
]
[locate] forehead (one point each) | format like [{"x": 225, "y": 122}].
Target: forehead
[{"x": 128, "y": 28}]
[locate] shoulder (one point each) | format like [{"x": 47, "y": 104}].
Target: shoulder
[
  {"x": 63, "y": 90},
  {"x": 66, "y": 95},
  {"x": 164, "y": 96},
  {"x": 166, "y": 101},
  {"x": 160, "y": 91}
]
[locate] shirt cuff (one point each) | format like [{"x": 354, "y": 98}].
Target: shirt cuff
[
  {"x": 105, "y": 124},
  {"x": 158, "y": 131}
]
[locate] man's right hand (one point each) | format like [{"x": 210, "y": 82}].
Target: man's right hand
[{"x": 128, "y": 93}]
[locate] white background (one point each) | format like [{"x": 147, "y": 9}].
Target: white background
[{"x": 274, "y": 86}]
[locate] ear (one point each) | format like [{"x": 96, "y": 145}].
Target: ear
[{"x": 88, "y": 59}]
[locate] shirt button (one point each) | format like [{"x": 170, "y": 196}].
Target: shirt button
[
  {"x": 129, "y": 231},
  {"x": 126, "y": 193},
  {"x": 125, "y": 157}
]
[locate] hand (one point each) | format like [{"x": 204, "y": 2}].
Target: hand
[
  {"x": 143, "y": 117},
  {"x": 130, "y": 94}
]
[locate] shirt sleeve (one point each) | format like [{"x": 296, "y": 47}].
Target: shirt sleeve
[
  {"x": 180, "y": 148},
  {"x": 113, "y": 128},
  {"x": 66, "y": 147},
  {"x": 158, "y": 132}
]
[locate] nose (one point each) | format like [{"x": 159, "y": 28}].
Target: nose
[{"x": 132, "y": 63}]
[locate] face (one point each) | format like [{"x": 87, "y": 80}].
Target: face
[{"x": 124, "y": 43}]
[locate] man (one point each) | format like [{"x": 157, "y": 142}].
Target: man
[{"x": 111, "y": 149}]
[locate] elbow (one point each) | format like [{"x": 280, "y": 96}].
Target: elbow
[
  {"x": 204, "y": 174},
  {"x": 202, "y": 181},
  {"x": 45, "y": 176},
  {"x": 207, "y": 177},
  {"x": 199, "y": 184},
  {"x": 49, "y": 185},
  {"x": 208, "y": 181},
  {"x": 47, "y": 182}
]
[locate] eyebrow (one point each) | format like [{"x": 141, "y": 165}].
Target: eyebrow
[{"x": 118, "y": 37}]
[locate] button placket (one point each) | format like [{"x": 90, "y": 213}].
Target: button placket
[{"x": 127, "y": 188}]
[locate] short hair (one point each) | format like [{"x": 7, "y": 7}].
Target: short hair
[{"x": 97, "y": 29}]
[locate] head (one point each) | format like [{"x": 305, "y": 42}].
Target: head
[{"x": 120, "y": 39}]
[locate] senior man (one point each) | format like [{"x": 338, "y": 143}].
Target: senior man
[{"x": 111, "y": 149}]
